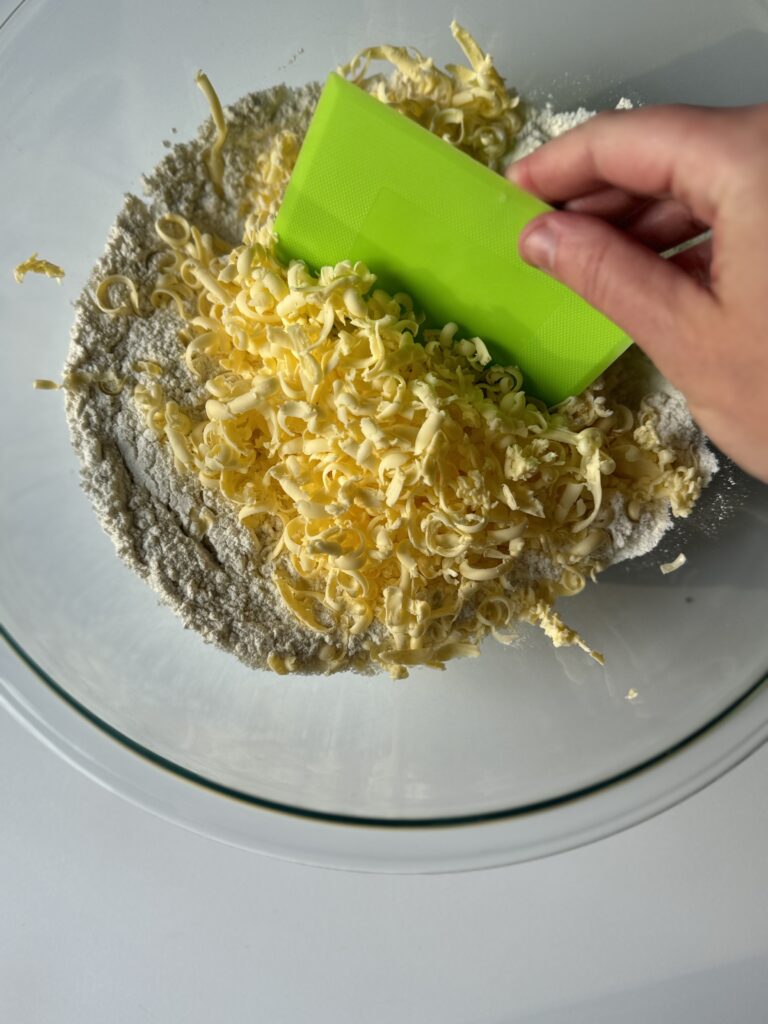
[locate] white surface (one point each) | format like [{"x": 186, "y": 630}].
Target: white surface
[{"x": 110, "y": 914}]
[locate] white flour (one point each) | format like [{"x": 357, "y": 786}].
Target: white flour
[
  {"x": 214, "y": 576},
  {"x": 546, "y": 123}
]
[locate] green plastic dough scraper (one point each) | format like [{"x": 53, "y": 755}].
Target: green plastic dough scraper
[{"x": 372, "y": 185}]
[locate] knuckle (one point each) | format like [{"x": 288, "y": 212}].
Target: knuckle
[
  {"x": 588, "y": 260},
  {"x": 605, "y": 117},
  {"x": 740, "y": 147}
]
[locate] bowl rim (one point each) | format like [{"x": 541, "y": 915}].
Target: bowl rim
[
  {"x": 129, "y": 769},
  {"x": 178, "y": 794}
]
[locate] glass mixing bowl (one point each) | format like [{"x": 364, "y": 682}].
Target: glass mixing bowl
[{"x": 515, "y": 754}]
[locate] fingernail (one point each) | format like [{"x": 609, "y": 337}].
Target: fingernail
[{"x": 538, "y": 246}]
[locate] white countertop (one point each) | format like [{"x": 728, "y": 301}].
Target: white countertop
[{"x": 111, "y": 914}]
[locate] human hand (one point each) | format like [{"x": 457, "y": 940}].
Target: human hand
[{"x": 634, "y": 183}]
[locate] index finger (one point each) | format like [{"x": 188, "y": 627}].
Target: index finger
[{"x": 659, "y": 151}]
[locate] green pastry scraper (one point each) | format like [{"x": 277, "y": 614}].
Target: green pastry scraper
[{"x": 372, "y": 185}]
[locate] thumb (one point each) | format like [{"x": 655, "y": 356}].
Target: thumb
[{"x": 652, "y": 300}]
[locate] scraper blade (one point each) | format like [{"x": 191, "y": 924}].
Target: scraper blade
[{"x": 372, "y": 185}]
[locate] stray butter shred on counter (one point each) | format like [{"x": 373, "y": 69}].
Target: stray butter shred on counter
[
  {"x": 36, "y": 265},
  {"x": 674, "y": 565}
]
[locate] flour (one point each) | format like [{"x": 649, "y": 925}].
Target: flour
[
  {"x": 545, "y": 123},
  {"x": 212, "y": 576},
  {"x": 186, "y": 541},
  {"x": 630, "y": 380}
]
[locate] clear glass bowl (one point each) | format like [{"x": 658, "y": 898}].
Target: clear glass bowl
[{"x": 515, "y": 754}]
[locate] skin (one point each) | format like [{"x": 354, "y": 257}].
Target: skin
[{"x": 630, "y": 184}]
